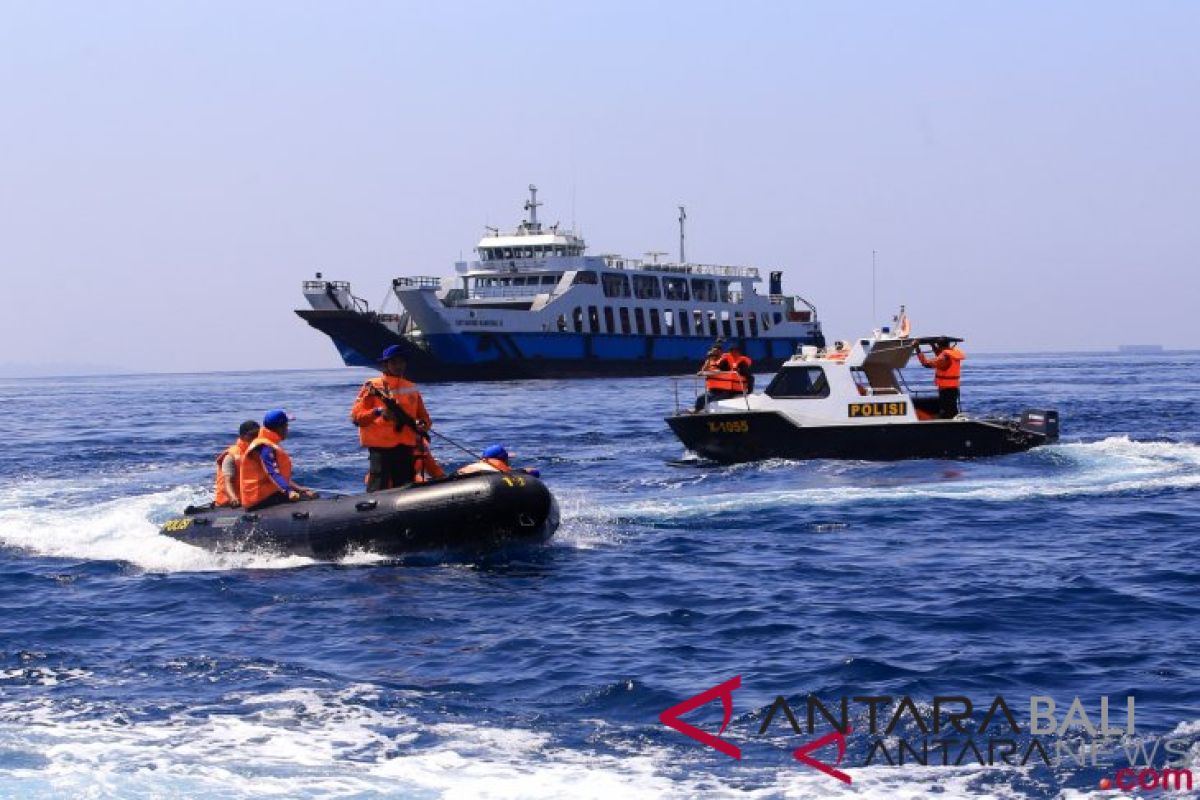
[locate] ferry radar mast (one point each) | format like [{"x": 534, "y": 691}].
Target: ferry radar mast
[{"x": 531, "y": 205}]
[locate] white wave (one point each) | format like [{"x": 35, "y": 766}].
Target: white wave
[
  {"x": 321, "y": 743},
  {"x": 1112, "y": 466},
  {"x": 119, "y": 530}
]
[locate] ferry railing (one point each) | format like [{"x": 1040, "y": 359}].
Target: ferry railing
[{"x": 417, "y": 282}]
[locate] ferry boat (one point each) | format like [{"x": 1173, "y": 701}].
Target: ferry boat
[
  {"x": 533, "y": 305},
  {"x": 851, "y": 402}
]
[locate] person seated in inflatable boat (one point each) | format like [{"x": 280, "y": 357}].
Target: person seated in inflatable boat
[
  {"x": 495, "y": 459},
  {"x": 266, "y": 478}
]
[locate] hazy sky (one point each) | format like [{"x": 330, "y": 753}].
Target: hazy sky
[{"x": 170, "y": 172}]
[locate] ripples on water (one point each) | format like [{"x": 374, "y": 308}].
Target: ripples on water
[{"x": 133, "y": 665}]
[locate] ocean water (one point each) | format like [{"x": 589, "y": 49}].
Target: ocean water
[{"x": 134, "y": 666}]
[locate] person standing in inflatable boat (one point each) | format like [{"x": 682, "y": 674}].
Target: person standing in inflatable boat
[{"x": 393, "y": 425}]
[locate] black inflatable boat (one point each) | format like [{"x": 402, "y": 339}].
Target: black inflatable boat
[{"x": 470, "y": 513}]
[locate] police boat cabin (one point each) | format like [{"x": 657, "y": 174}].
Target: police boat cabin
[{"x": 851, "y": 401}]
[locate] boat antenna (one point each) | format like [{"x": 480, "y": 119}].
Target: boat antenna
[
  {"x": 654, "y": 254},
  {"x": 873, "y": 254},
  {"x": 682, "y": 217},
  {"x": 531, "y": 205}
]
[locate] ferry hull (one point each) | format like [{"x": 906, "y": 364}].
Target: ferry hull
[
  {"x": 498, "y": 355},
  {"x": 732, "y": 437}
]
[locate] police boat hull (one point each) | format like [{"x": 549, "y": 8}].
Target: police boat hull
[
  {"x": 732, "y": 437},
  {"x": 461, "y": 514}
]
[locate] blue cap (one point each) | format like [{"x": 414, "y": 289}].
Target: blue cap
[
  {"x": 275, "y": 417},
  {"x": 394, "y": 351},
  {"x": 496, "y": 451}
]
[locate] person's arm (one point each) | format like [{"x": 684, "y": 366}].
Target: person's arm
[
  {"x": 268, "y": 459},
  {"x": 921, "y": 357},
  {"x": 367, "y": 407},
  {"x": 229, "y": 475},
  {"x": 422, "y": 415}
]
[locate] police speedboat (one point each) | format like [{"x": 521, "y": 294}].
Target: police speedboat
[
  {"x": 469, "y": 513},
  {"x": 851, "y": 402}
]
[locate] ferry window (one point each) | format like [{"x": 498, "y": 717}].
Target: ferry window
[
  {"x": 558, "y": 251},
  {"x": 799, "y": 382},
  {"x": 778, "y": 317},
  {"x": 723, "y": 291},
  {"x": 508, "y": 253},
  {"x": 703, "y": 290},
  {"x": 754, "y": 325},
  {"x": 593, "y": 319},
  {"x": 712, "y": 324},
  {"x": 608, "y": 320},
  {"x": 562, "y": 323},
  {"x": 676, "y": 288},
  {"x": 625, "y": 327},
  {"x": 639, "y": 316},
  {"x": 766, "y": 321},
  {"x": 683, "y": 323},
  {"x": 655, "y": 324},
  {"x": 669, "y": 321},
  {"x": 586, "y": 277},
  {"x": 740, "y": 323},
  {"x": 549, "y": 280},
  {"x": 646, "y": 287},
  {"x": 699, "y": 316},
  {"x": 615, "y": 285},
  {"x": 577, "y": 319}
]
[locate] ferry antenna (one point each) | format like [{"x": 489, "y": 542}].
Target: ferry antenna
[{"x": 682, "y": 217}]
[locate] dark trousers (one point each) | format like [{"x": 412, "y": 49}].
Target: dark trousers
[
  {"x": 390, "y": 467},
  {"x": 948, "y": 403}
]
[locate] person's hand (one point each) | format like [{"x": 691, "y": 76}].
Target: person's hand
[
  {"x": 235, "y": 504},
  {"x": 387, "y": 414},
  {"x": 534, "y": 471},
  {"x": 293, "y": 495},
  {"x": 308, "y": 494}
]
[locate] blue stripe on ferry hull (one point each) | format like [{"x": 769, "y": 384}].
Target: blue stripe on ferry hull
[{"x": 505, "y": 356}]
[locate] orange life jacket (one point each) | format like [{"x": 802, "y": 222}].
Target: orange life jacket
[
  {"x": 373, "y": 429},
  {"x": 711, "y": 365},
  {"x": 425, "y": 466},
  {"x": 255, "y": 484},
  {"x": 729, "y": 379},
  {"x": 234, "y": 451},
  {"x": 948, "y": 368}
]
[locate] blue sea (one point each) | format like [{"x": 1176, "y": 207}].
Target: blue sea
[{"x": 135, "y": 666}]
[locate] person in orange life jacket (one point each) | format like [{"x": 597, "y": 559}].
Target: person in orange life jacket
[
  {"x": 947, "y": 365},
  {"x": 392, "y": 440},
  {"x": 733, "y": 378},
  {"x": 709, "y": 369},
  {"x": 495, "y": 459},
  {"x": 229, "y": 464},
  {"x": 266, "y": 476}
]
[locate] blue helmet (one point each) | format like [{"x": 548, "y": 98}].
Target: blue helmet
[
  {"x": 275, "y": 418},
  {"x": 496, "y": 451}
]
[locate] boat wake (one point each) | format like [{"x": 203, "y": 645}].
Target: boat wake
[{"x": 1113, "y": 466}]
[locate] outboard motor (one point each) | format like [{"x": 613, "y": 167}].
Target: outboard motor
[{"x": 1044, "y": 423}]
